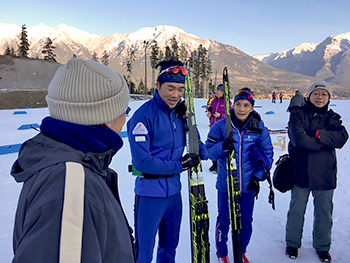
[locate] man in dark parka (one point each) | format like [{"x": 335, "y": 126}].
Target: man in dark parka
[{"x": 315, "y": 132}]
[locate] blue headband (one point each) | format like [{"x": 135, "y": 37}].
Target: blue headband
[{"x": 165, "y": 77}]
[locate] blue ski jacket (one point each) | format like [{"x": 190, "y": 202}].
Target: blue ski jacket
[
  {"x": 157, "y": 141},
  {"x": 253, "y": 135}
]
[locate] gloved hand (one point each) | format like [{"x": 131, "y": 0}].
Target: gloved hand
[
  {"x": 255, "y": 186},
  {"x": 228, "y": 145},
  {"x": 189, "y": 160},
  {"x": 181, "y": 110}
]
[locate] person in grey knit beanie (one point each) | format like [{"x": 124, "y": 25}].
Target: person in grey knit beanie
[
  {"x": 88, "y": 93},
  {"x": 69, "y": 207},
  {"x": 320, "y": 85}
]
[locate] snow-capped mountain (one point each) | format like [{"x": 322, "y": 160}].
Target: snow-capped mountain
[
  {"x": 69, "y": 41},
  {"x": 328, "y": 60}
]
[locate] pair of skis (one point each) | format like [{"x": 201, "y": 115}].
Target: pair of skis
[
  {"x": 199, "y": 214},
  {"x": 233, "y": 188}
]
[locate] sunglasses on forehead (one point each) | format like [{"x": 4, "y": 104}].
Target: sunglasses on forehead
[
  {"x": 245, "y": 93},
  {"x": 174, "y": 70}
]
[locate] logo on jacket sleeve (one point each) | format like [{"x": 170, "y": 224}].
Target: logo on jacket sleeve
[{"x": 140, "y": 128}]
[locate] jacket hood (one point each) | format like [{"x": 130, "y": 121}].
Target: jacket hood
[{"x": 41, "y": 152}]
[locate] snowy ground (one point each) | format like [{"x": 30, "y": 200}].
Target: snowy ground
[{"x": 267, "y": 243}]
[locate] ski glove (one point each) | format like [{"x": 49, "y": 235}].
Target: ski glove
[
  {"x": 228, "y": 145},
  {"x": 189, "y": 160},
  {"x": 181, "y": 110},
  {"x": 254, "y": 185}
]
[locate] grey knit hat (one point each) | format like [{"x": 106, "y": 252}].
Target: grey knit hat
[
  {"x": 320, "y": 85},
  {"x": 221, "y": 88},
  {"x": 88, "y": 93}
]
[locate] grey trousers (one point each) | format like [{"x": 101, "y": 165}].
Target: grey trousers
[{"x": 323, "y": 211}]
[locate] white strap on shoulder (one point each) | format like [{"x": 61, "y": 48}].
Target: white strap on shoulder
[{"x": 73, "y": 214}]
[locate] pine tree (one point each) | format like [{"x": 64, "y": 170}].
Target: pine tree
[
  {"x": 201, "y": 69},
  {"x": 94, "y": 57},
  {"x": 23, "y": 47},
  {"x": 168, "y": 53},
  {"x": 47, "y": 50},
  {"x": 141, "y": 88},
  {"x": 154, "y": 58},
  {"x": 183, "y": 53},
  {"x": 7, "y": 51},
  {"x": 174, "y": 47},
  {"x": 129, "y": 64},
  {"x": 13, "y": 53},
  {"x": 104, "y": 58}
]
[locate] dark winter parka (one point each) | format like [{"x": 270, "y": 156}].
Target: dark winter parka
[
  {"x": 41, "y": 167},
  {"x": 316, "y": 166}
]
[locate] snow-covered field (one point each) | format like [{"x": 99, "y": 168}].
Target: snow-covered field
[{"x": 267, "y": 243}]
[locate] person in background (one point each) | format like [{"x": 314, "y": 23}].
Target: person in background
[
  {"x": 210, "y": 99},
  {"x": 274, "y": 97},
  {"x": 217, "y": 112},
  {"x": 297, "y": 101},
  {"x": 281, "y": 96},
  {"x": 69, "y": 208},
  {"x": 314, "y": 132},
  {"x": 249, "y": 139},
  {"x": 157, "y": 140}
]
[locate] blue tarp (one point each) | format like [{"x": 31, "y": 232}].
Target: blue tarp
[
  {"x": 19, "y": 112},
  {"x": 10, "y": 148},
  {"x": 29, "y": 126}
]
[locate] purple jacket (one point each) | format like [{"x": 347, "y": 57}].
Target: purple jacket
[{"x": 217, "y": 105}]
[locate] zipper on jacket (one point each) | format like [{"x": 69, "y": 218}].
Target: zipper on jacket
[{"x": 240, "y": 150}]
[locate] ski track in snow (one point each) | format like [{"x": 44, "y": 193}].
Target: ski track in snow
[{"x": 267, "y": 243}]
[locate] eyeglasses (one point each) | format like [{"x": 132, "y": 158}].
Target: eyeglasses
[
  {"x": 245, "y": 93},
  {"x": 128, "y": 110},
  {"x": 174, "y": 70}
]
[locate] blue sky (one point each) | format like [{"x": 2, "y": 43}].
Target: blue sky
[{"x": 253, "y": 26}]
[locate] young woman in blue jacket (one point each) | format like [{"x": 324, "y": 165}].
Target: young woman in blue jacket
[{"x": 249, "y": 137}]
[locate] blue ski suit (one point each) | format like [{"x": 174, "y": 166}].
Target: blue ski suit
[
  {"x": 247, "y": 137},
  {"x": 157, "y": 141}
]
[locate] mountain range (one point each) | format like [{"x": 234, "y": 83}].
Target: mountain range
[
  {"x": 244, "y": 70},
  {"x": 328, "y": 60}
]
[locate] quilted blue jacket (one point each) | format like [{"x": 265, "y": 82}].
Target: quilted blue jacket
[{"x": 251, "y": 136}]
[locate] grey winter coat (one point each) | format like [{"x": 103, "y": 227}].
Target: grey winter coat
[
  {"x": 297, "y": 101},
  {"x": 316, "y": 166}
]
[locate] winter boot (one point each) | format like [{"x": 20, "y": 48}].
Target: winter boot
[
  {"x": 224, "y": 260},
  {"x": 292, "y": 252},
  {"x": 244, "y": 259},
  {"x": 324, "y": 256}
]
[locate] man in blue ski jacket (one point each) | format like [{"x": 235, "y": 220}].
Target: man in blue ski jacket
[{"x": 156, "y": 134}]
